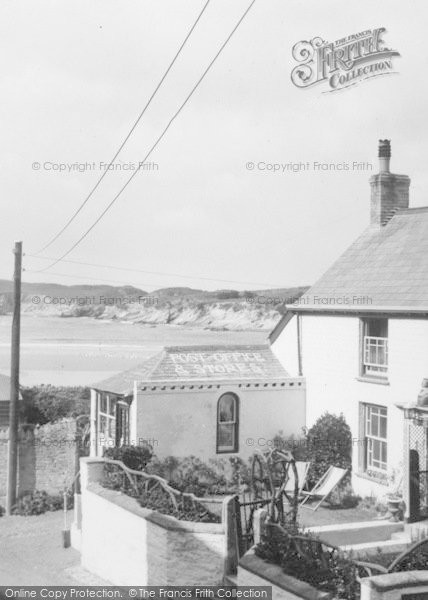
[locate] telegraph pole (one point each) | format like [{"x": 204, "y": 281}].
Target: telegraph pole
[{"x": 12, "y": 464}]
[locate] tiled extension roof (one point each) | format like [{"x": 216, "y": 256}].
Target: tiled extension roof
[
  {"x": 183, "y": 364},
  {"x": 4, "y": 388},
  {"x": 385, "y": 267}
]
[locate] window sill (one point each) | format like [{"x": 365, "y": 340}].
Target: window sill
[
  {"x": 377, "y": 480},
  {"x": 371, "y": 379}
]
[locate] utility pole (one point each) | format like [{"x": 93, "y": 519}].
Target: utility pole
[{"x": 12, "y": 464}]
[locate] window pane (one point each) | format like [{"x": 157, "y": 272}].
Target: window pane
[
  {"x": 376, "y": 431},
  {"x": 103, "y": 403},
  {"x": 112, "y": 406},
  {"x": 226, "y": 409},
  {"x": 382, "y": 433},
  {"x": 103, "y": 425},
  {"x": 384, "y": 452},
  {"x": 376, "y": 450},
  {"x": 226, "y": 436},
  {"x": 375, "y": 424},
  {"x": 111, "y": 428},
  {"x": 377, "y": 327}
]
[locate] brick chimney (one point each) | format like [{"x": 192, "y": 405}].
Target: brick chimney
[{"x": 389, "y": 192}]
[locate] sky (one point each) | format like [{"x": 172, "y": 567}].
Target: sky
[{"x": 75, "y": 75}]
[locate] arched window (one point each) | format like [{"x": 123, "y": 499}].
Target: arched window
[{"x": 227, "y": 423}]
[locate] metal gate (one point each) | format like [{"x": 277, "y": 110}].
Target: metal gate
[{"x": 246, "y": 506}]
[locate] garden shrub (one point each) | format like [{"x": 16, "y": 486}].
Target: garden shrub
[
  {"x": 339, "y": 576},
  {"x": 188, "y": 474},
  {"x": 156, "y": 498},
  {"x": 350, "y": 500},
  {"x": 134, "y": 457},
  {"x": 328, "y": 443},
  {"x": 186, "y": 511},
  {"x": 38, "y": 502},
  {"x": 191, "y": 474},
  {"x": 417, "y": 560},
  {"x": 47, "y": 403}
]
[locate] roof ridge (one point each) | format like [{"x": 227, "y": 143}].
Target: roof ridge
[
  {"x": 211, "y": 346},
  {"x": 412, "y": 209},
  {"x": 160, "y": 356}
]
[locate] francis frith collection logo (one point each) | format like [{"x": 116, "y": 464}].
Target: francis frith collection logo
[{"x": 344, "y": 62}]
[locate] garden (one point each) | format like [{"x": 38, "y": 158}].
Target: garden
[{"x": 181, "y": 487}]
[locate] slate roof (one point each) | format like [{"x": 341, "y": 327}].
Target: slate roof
[
  {"x": 385, "y": 267},
  {"x": 183, "y": 364},
  {"x": 5, "y": 388}
]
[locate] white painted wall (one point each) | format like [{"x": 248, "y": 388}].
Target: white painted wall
[
  {"x": 183, "y": 422},
  {"x": 285, "y": 348},
  {"x": 330, "y": 359},
  {"x": 126, "y": 544}
]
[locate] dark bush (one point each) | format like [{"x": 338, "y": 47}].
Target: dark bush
[
  {"x": 38, "y": 502},
  {"x": 414, "y": 561},
  {"x": 350, "y": 501},
  {"x": 190, "y": 474},
  {"x": 47, "y": 403},
  {"x": 335, "y": 574},
  {"x": 328, "y": 443},
  {"x": 134, "y": 457},
  {"x": 187, "y": 510}
]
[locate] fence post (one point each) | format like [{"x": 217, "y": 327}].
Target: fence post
[
  {"x": 259, "y": 522},
  {"x": 229, "y": 518}
]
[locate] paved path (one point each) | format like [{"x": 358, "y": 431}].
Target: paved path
[{"x": 31, "y": 553}]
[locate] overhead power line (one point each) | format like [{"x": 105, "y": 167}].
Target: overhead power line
[
  {"x": 163, "y": 274},
  {"x": 71, "y": 219},
  {"x": 195, "y": 87}
]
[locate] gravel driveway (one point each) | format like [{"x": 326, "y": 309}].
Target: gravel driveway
[{"x": 31, "y": 553}]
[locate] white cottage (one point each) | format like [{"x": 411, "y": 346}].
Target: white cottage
[
  {"x": 203, "y": 401},
  {"x": 359, "y": 336}
]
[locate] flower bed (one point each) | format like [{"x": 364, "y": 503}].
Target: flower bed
[
  {"x": 303, "y": 556},
  {"x": 158, "y": 549},
  {"x": 39, "y": 502},
  {"x": 156, "y": 494},
  {"x": 329, "y": 569}
]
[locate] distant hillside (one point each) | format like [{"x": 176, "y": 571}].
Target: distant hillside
[
  {"x": 221, "y": 309},
  {"x": 56, "y": 289}
]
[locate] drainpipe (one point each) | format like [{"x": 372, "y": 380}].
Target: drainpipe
[
  {"x": 93, "y": 450},
  {"x": 299, "y": 345}
]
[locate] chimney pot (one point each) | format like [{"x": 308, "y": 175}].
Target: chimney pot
[
  {"x": 384, "y": 154},
  {"x": 389, "y": 192}
]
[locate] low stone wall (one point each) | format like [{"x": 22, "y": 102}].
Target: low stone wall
[
  {"x": 396, "y": 586},
  {"x": 341, "y": 534},
  {"x": 46, "y": 457},
  {"x": 255, "y": 571},
  {"x": 127, "y": 544}
]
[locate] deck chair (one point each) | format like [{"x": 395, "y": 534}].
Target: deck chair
[
  {"x": 302, "y": 473},
  {"x": 323, "y": 488}
]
